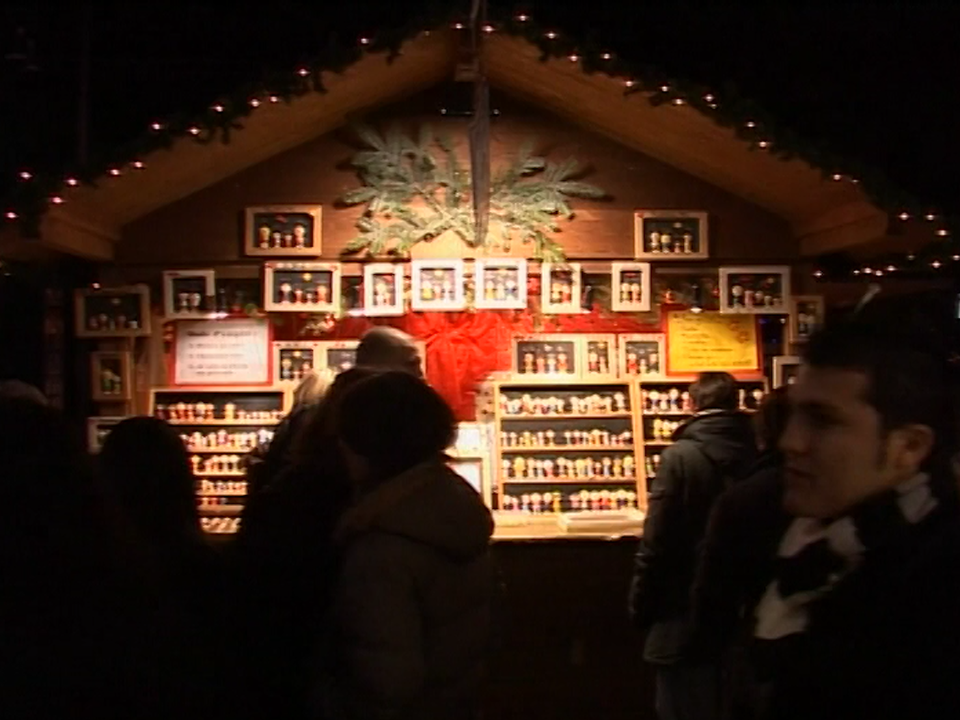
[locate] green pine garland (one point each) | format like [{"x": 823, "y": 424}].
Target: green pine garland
[{"x": 416, "y": 190}]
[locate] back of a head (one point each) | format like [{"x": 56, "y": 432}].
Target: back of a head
[
  {"x": 771, "y": 417},
  {"x": 17, "y": 389},
  {"x": 311, "y": 389},
  {"x": 145, "y": 466},
  {"x": 395, "y": 421},
  {"x": 909, "y": 366},
  {"x": 388, "y": 349},
  {"x": 714, "y": 391}
]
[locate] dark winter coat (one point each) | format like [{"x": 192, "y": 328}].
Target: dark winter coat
[
  {"x": 412, "y": 615},
  {"x": 884, "y": 643},
  {"x": 710, "y": 451},
  {"x": 738, "y": 555}
]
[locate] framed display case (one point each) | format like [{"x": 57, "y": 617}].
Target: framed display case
[
  {"x": 758, "y": 289},
  {"x": 281, "y": 230},
  {"x": 110, "y": 376},
  {"x": 665, "y": 404},
  {"x": 301, "y": 287},
  {"x": 292, "y": 360},
  {"x": 631, "y": 285},
  {"x": 383, "y": 289},
  {"x": 688, "y": 287},
  {"x": 561, "y": 288},
  {"x": 340, "y": 355},
  {"x": 785, "y": 369},
  {"x": 501, "y": 283},
  {"x": 437, "y": 285},
  {"x": 470, "y": 456},
  {"x": 98, "y": 428},
  {"x": 806, "y": 315},
  {"x": 566, "y": 448},
  {"x": 671, "y": 235},
  {"x": 112, "y": 312},
  {"x": 547, "y": 358},
  {"x": 219, "y": 427},
  {"x": 643, "y": 355},
  {"x": 189, "y": 294},
  {"x": 599, "y": 358}
]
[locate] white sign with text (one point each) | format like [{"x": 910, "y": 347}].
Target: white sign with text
[{"x": 222, "y": 352}]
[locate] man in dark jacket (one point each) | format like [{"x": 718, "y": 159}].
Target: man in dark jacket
[
  {"x": 860, "y": 619},
  {"x": 710, "y": 450}
]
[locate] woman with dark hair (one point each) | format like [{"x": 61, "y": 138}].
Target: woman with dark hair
[
  {"x": 145, "y": 467},
  {"x": 412, "y": 612},
  {"x": 79, "y": 632}
]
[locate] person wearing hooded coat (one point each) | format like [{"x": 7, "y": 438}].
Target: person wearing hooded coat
[
  {"x": 711, "y": 450},
  {"x": 412, "y": 611}
]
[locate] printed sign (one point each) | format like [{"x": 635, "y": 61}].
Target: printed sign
[{"x": 222, "y": 352}]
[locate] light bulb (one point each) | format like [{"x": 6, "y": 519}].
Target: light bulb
[
  {"x": 891, "y": 268},
  {"x": 629, "y": 83},
  {"x": 837, "y": 176},
  {"x": 522, "y": 18},
  {"x": 574, "y": 58},
  {"x": 763, "y": 144},
  {"x": 303, "y": 72},
  {"x": 10, "y": 215},
  {"x": 254, "y": 102},
  {"x": 930, "y": 217},
  {"x": 138, "y": 164},
  {"x": 665, "y": 88},
  {"x": 26, "y": 175},
  {"x": 607, "y": 56},
  {"x": 56, "y": 200},
  {"x": 551, "y": 35},
  {"x": 751, "y": 124},
  {"x": 156, "y": 127},
  {"x": 274, "y": 99},
  {"x": 458, "y": 26},
  {"x": 114, "y": 171},
  {"x": 218, "y": 108},
  {"x": 818, "y": 273},
  {"x": 904, "y": 216},
  {"x": 194, "y": 130},
  {"x": 942, "y": 232},
  {"x": 364, "y": 41},
  {"x": 935, "y": 264},
  {"x": 678, "y": 101},
  {"x": 72, "y": 181},
  {"x": 488, "y": 28},
  {"x": 708, "y": 98}
]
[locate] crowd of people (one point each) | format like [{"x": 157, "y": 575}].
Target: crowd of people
[{"x": 800, "y": 563}]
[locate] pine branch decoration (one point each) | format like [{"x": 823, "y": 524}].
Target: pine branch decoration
[{"x": 417, "y": 189}]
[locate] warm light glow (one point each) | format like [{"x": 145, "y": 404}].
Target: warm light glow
[
  {"x": 818, "y": 273},
  {"x": 763, "y": 144},
  {"x": 955, "y": 258},
  {"x": 218, "y": 108},
  {"x": 930, "y": 216},
  {"x": 911, "y": 257},
  {"x": 574, "y": 58},
  {"x": 114, "y": 171},
  {"x": 138, "y": 164},
  {"x": 751, "y": 124},
  {"x": 868, "y": 271},
  {"x": 607, "y": 56},
  {"x": 72, "y": 181},
  {"x": 274, "y": 99},
  {"x": 26, "y": 175},
  {"x": 856, "y": 272},
  {"x": 303, "y": 72},
  {"x": 458, "y": 26},
  {"x": 488, "y": 28},
  {"x": 891, "y": 268},
  {"x": 942, "y": 232},
  {"x": 879, "y": 273},
  {"x": 904, "y": 216},
  {"x": 364, "y": 41},
  {"x": 56, "y": 200},
  {"x": 254, "y": 102},
  {"x": 10, "y": 215},
  {"x": 551, "y": 35},
  {"x": 678, "y": 101},
  {"x": 156, "y": 127},
  {"x": 708, "y": 98},
  {"x": 935, "y": 264},
  {"x": 95, "y": 286},
  {"x": 629, "y": 83},
  {"x": 837, "y": 176},
  {"x": 523, "y": 18},
  {"x": 194, "y": 130},
  {"x": 664, "y": 88}
]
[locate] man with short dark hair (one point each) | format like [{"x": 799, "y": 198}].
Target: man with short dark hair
[
  {"x": 862, "y": 617},
  {"x": 710, "y": 450},
  {"x": 386, "y": 348}
]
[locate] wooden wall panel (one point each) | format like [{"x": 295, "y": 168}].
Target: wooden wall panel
[{"x": 205, "y": 228}]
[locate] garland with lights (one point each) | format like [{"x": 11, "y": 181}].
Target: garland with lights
[
  {"x": 36, "y": 193},
  {"x": 397, "y": 172}
]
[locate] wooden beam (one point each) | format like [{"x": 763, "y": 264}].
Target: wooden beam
[
  {"x": 74, "y": 236},
  {"x": 842, "y": 232}
]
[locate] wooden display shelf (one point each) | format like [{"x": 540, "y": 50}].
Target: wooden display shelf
[
  {"x": 671, "y": 413},
  {"x": 565, "y": 448},
  {"x": 225, "y": 423},
  {"x": 567, "y": 416},
  {"x": 229, "y": 493},
  {"x": 569, "y": 481},
  {"x": 220, "y": 509},
  {"x": 222, "y": 450},
  {"x": 658, "y": 443},
  {"x": 221, "y": 474}
]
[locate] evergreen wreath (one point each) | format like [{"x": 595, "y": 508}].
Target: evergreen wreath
[{"x": 418, "y": 189}]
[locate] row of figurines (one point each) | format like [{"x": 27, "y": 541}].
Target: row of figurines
[
  {"x": 189, "y": 302},
  {"x": 222, "y": 487},
  {"x": 224, "y": 440},
  {"x": 673, "y": 244},
  {"x": 291, "y": 371},
  {"x": 112, "y": 322},
  {"x": 631, "y": 292},
  {"x": 742, "y": 297},
  {"x": 213, "y": 501},
  {"x": 220, "y": 525},
  {"x": 574, "y": 405},
  {"x": 580, "y": 468},
  {"x": 674, "y": 400},
  {"x": 561, "y": 291},
  {"x": 664, "y": 429},
  {"x": 642, "y": 364},
  {"x": 216, "y": 464},
  {"x": 555, "y": 502},
  {"x": 385, "y": 292},
  {"x": 303, "y": 296},
  {"x": 201, "y": 412},
  {"x": 651, "y": 464},
  {"x": 546, "y": 364},
  {"x": 110, "y": 383},
  {"x": 269, "y": 238},
  {"x": 572, "y": 438},
  {"x": 503, "y": 287},
  {"x": 438, "y": 287}
]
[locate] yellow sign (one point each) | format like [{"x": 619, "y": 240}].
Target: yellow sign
[{"x": 709, "y": 341}]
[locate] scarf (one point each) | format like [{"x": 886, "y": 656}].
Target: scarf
[{"x": 815, "y": 555}]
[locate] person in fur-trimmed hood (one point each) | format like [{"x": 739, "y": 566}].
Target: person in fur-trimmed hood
[{"x": 413, "y": 607}]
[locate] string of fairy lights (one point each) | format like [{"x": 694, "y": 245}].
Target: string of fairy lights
[{"x": 35, "y": 193}]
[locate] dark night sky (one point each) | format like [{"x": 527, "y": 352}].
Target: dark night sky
[{"x": 875, "y": 81}]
